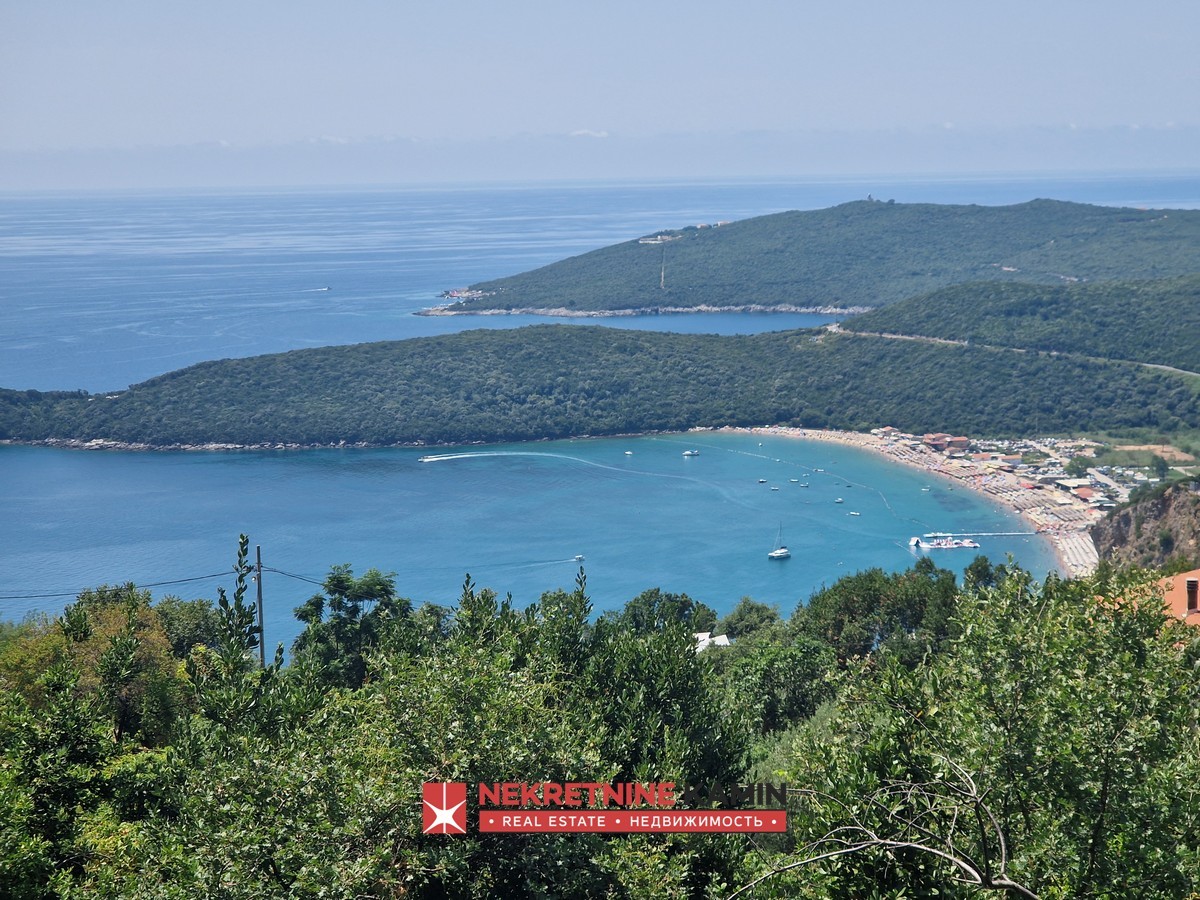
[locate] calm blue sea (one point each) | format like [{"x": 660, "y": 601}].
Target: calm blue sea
[{"x": 103, "y": 290}]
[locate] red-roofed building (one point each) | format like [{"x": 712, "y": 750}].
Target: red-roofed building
[
  {"x": 1181, "y": 596},
  {"x": 938, "y": 442}
]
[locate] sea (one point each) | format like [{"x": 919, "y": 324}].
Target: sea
[{"x": 102, "y": 290}]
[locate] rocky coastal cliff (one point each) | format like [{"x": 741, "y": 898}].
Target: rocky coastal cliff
[{"x": 1159, "y": 529}]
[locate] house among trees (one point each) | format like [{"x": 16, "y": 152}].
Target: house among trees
[
  {"x": 1181, "y": 596},
  {"x": 706, "y": 639}
]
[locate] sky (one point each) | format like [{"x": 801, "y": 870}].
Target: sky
[{"x": 149, "y": 90}]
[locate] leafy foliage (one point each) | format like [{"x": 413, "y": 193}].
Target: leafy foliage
[
  {"x": 1042, "y": 749},
  {"x": 654, "y": 610},
  {"x": 920, "y": 724},
  {"x": 337, "y": 644},
  {"x": 905, "y": 614},
  {"x": 188, "y": 623}
]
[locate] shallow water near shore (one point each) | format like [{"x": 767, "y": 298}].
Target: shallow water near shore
[{"x": 513, "y": 516}]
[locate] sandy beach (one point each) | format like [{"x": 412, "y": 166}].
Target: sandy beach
[{"x": 1060, "y": 517}]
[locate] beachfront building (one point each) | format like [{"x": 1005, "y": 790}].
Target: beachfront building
[{"x": 936, "y": 442}]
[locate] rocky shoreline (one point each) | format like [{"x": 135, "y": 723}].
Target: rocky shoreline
[
  {"x": 106, "y": 444},
  {"x": 455, "y": 309}
]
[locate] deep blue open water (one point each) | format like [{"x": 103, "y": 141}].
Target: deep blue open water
[{"x": 103, "y": 290}]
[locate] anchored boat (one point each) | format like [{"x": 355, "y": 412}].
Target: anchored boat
[{"x": 780, "y": 551}]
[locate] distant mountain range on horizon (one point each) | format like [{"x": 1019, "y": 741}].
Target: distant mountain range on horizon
[{"x": 404, "y": 160}]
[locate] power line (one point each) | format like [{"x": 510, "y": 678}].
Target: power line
[
  {"x": 56, "y": 595},
  {"x": 59, "y": 595},
  {"x": 70, "y": 595},
  {"x": 293, "y": 575}
]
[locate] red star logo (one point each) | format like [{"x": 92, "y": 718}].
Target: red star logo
[{"x": 444, "y": 807}]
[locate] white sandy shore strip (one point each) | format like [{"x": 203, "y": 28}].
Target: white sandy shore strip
[{"x": 1064, "y": 524}]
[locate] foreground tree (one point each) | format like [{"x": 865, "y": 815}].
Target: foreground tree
[
  {"x": 1043, "y": 754},
  {"x": 907, "y": 614},
  {"x": 346, "y": 622}
]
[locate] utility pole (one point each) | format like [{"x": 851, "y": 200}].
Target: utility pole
[{"x": 262, "y": 628}]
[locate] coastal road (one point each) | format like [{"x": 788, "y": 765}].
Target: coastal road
[{"x": 836, "y": 328}]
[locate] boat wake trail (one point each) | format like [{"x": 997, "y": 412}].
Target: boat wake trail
[
  {"x": 539, "y": 564},
  {"x": 445, "y": 457},
  {"x": 620, "y": 470}
]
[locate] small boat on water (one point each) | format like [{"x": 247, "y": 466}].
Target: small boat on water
[
  {"x": 762, "y": 481},
  {"x": 780, "y": 551},
  {"x": 794, "y": 480},
  {"x": 855, "y": 514},
  {"x": 691, "y": 452},
  {"x": 578, "y": 557},
  {"x": 629, "y": 453},
  {"x": 839, "y": 500}
]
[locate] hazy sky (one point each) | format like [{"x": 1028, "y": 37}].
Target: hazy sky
[{"x": 79, "y": 75}]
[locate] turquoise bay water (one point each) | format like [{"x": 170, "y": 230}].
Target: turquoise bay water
[
  {"x": 103, "y": 290},
  {"x": 513, "y": 517}
]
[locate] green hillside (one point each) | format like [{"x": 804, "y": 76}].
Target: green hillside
[
  {"x": 561, "y": 381},
  {"x": 1147, "y": 321},
  {"x": 861, "y": 254}
]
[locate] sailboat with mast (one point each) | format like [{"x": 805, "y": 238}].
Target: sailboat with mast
[{"x": 780, "y": 551}]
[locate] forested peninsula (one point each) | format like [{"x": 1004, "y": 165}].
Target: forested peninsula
[
  {"x": 857, "y": 255},
  {"x": 562, "y": 381}
]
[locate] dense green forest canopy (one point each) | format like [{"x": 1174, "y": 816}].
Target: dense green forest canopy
[
  {"x": 934, "y": 737},
  {"x": 1154, "y": 321},
  {"x": 565, "y": 381},
  {"x": 861, "y": 254}
]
